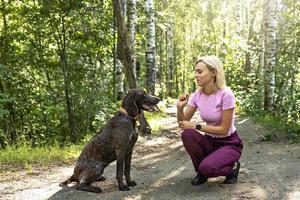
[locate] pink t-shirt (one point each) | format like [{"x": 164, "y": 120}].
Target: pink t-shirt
[{"x": 211, "y": 106}]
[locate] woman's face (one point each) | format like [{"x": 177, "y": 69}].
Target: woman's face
[{"x": 203, "y": 75}]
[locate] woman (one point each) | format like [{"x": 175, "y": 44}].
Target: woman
[{"x": 214, "y": 147}]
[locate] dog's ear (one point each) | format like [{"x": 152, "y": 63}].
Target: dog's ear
[{"x": 129, "y": 103}]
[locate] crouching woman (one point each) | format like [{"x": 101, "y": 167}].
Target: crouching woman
[{"x": 214, "y": 146}]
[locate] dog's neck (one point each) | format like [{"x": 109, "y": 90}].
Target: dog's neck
[{"x": 124, "y": 112}]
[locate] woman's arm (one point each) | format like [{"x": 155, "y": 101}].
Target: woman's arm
[
  {"x": 227, "y": 117},
  {"x": 189, "y": 111},
  {"x": 187, "y": 114},
  {"x": 223, "y": 129}
]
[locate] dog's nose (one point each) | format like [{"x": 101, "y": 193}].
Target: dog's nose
[{"x": 154, "y": 98}]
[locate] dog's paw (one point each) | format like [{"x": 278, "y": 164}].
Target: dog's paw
[
  {"x": 101, "y": 178},
  {"x": 64, "y": 184},
  {"x": 131, "y": 183},
  {"x": 124, "y": 188},
  {"x": 97, "y": 190}
]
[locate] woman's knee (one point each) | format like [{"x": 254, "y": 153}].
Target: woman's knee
[{"x": 207, "y": 170}]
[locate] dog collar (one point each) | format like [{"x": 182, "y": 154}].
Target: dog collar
[{"x": 124, "y": 112}]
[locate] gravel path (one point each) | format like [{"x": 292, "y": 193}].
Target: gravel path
[{"x": 163, "y": 170}]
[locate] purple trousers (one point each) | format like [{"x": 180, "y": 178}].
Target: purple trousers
[{"x": 212, "y": 157}]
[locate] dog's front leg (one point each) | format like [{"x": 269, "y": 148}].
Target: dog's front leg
[
  {"x": 128, "y": 161},
  {"x": 127, "y": 169},
  {"x": 120, "y": 169}
]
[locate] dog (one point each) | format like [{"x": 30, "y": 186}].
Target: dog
[{"x": 115, "y": 141}]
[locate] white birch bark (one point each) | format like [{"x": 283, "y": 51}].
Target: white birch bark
[
  {"x": 170, "y": 57},
  {"x": 270, "y": 33},
  {"x": 238, "y": 17},
  {"x": 150, "y": 51},
  {"x": 119, "y": 79},
  {"x": 131, "y": 22}
]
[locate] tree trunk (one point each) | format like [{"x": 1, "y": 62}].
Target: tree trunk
[
  {"x": 247, "y": 67},
  {"x": 60, "y": 38},
  {"x": 131, "y": 13},
  {"x": 3, "y": 58},
  {"x": 159, "y": 62},
  {"x": 238, "y": 17},
  {"x": 269, "y": 27},
  {"x": 150, "y": 52},
  {"x": 183, "y": 83},
  {"x": 64, "y": 65},
  {"x": 125, "y": 55},
  {"x": 114, "y": 50},
  {"x": 124, "y": 49},
  {"x": 170, "y": 57},
  {"x": 119, "y": 79},
  {"x": 10, "y": 129}
]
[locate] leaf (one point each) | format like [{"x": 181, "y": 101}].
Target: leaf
[{"x": 3, "y": 112}]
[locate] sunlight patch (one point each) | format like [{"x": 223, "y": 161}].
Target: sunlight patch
[{"x": 294, "y": 195}]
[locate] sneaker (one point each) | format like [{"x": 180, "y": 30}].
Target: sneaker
[
  {"x": 232, "y": 178},
  {"x": 199, "y": 179}
]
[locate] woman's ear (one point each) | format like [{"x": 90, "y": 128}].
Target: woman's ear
[{"x": 214, "y": 75}]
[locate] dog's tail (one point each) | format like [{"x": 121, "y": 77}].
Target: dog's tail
[{"x": 69, "y": 180}]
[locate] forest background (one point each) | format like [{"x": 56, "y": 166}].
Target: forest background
[{"x": 65, "y": 64}]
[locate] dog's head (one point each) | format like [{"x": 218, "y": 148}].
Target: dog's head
[{"x": 137, "y": 100}]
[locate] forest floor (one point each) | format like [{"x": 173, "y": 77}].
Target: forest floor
[{"x": 163, "y": 170}]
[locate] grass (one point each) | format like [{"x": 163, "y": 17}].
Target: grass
[
  {"x": 24, "y": 157},
  {"x": 289, "y": 131},
  {"x": 271, "y": 122}
]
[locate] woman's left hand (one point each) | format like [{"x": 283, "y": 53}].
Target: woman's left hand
[{"x": 186, "y": 125}]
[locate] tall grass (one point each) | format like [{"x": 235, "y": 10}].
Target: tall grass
[{"x": 25, "y": 156}]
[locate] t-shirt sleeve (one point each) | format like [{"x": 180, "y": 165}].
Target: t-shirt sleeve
[
  {"x": 192, "y": 100},
  {"x": 228, "y": 100}
]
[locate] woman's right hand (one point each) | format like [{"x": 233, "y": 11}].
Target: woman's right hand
[{"x": 182, "y": 101}]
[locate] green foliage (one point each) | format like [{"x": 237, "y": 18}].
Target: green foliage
[
  {"x": 55, "y": 51},
  {"x": 37, "y": 39},
  {"x": 4, "y": 100},
  {"x": 210, "y": 27}
]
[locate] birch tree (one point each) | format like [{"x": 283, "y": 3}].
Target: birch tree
[
  {"x": 170, "y": 57},
  {"x": 118, "y": 66},
  {"x": 131, "y": 23},
  {"x": 124, "y": 49},
  {"x": 269, "y": 31},
  {"x": 125, "y": 55},
  {"x": 119, "y": 79},
  {"x": 238, "y": 17},
  {"x": 250, "y": 36},
  {"x": 150, "y": 51}
]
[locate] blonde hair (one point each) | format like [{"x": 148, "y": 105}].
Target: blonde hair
[{"x": 214, "y": 63}]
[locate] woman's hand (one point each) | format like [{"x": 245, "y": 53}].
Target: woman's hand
[
  {"x": 182, "y": 101},
  {"x": 186, "y": 125}
]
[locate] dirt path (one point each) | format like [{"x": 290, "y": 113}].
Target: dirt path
[{"x": 163, "y": 170}]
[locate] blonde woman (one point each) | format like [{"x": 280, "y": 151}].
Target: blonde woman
[{"x": 214, "y": 146}]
